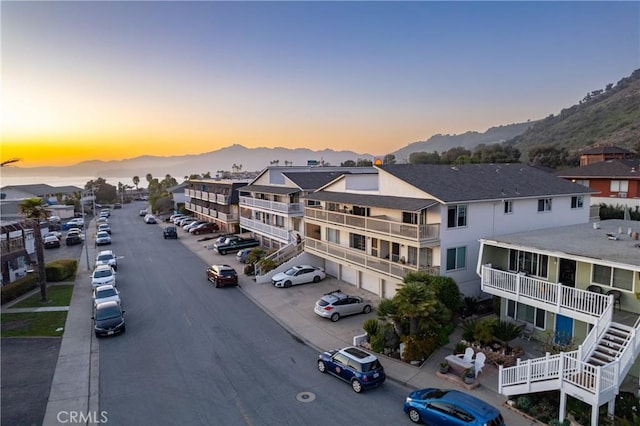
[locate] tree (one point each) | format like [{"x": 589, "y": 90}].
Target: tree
[
  {"x": 414, "y": 300},
  {"x": 34, "y": 210},
  {"x": 389, "y": 159},
  {"x": 9, "y": 162},
  {"x": 136, "y": 181},
  {"x": 348, "y": 163},
  {"x": 364, "y": 162},
  {"x": 424, "y": 158},
  {"x": 149, "y": 177}
]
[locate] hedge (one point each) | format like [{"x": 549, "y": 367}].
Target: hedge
[
  {"x": 61, "y": 270},
  {"x": 58, "y": 270},
  {"x": 18, "y": 287}
]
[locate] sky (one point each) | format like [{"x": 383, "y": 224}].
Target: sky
[{"x": 115, "y": 80}]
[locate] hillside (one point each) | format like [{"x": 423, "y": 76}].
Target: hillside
[{"x": 608, "y": 116}]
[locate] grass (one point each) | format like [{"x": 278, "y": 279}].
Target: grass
[
  {"x": 33, "y": 324},
  {"x": 57, "y": 295}
]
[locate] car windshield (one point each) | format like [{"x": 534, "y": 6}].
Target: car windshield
[
  {"x": 108, "y": 312},
  {"x": 437, "y": 394},
  {"x": 107, "y": 292},
  {"x": 105, "y": 257},
  {"x": 291, "y": 271},
  {"x": 227, "y": 273},
  {"x": 102, "y": 273},
  {"x": 369, "y": 366},
  {"x": 102, "y": 234}
]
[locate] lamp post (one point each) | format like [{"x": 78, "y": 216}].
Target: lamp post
[{"x": 86, "y": 245}]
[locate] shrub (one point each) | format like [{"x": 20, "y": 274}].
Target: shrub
[
  {"x": 266, "y": 265},
  {"x": 459, "y": 348},
  {"x": 524, "y": 403},
  {"x": 417, "y": 348},
  {"x": 469, "y": 306},
  {"x": 18, "y": 287},
  {"x": 371, "y": 327},
  {"x": 250, "y": 269},
  {"x": 447, "y": 291},
  {"x": 377, "y": 343},
  {"x": 61, "y": 270},
  {"x": 255, "y": 255}
]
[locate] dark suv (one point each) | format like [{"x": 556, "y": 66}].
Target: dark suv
[
  {"x": 221, "y": 275},
  {"x": 353, "y": 365},
  {"x": 170, "y": 232}
]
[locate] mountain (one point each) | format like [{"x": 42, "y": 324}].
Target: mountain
[{"x": 468, "y": 140}]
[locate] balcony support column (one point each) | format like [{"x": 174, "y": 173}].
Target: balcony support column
[{"x": 562, "y": 414}]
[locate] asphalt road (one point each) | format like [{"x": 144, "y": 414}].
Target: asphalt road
[{"x": 193, "y": 354}]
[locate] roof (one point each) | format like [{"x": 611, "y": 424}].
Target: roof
[
  {"x": 605, "y": 150},
  {"x": 605, "y": 169},
  {"x": 40, "y": 189},
  {"x": 583, "y": 240},
  {"x": 388, "y": 202},
  {"x": 313, "y": 181},
  {"x": 269, "y": 189},
  {"x": 475, "y": 182}
]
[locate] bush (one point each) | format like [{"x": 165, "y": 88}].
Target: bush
[
  {"x": 18, "y": 287},
  {"x": 61, "y": 270},
  {"x": 377, "y": 343},
  {"x": 371, "y": 327},
  {"x": 249, "y": 269},
  {"x": 266, "y": 265}
]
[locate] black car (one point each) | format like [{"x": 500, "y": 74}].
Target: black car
[
  {"x": 73, "y": 239},
  {"x": 221, "y": 275},
  {"x": 170, "y": 232},
  {"x": 108, "y": 319}
]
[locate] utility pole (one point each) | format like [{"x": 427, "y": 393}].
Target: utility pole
[{"x": 86, "y": 244}]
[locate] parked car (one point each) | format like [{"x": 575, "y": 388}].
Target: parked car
[
  {"x": 336, "y": 304},
  {"x": 143, "y": 213},
  {"x": 108, "y": 319},
  {"x": 182, "y": 220},
  {"x": 102, "y": 219},
  {"x": 170, "y": 232},
  {"x": 73, "y": 238},
  {"x": 451, "y": 407},
  {"x": 241, "y": 256},
  {"x": 106, "y": 257},
  {"x": 104, "y": 227},
  {"x": 300, "y": 274},
  {"x": 186, "y": 221},
  {"x": 189, "y": 225},
  {"x": 105, "y": 212},
  {"x": 51, "y": 241},
  {"x": 174, "y": 218},
  {"x": 103, "y": 238},
  {"x": 103, "y": 274},
  {"x": 353, "y": 365},
  {"x": 234, "y": 243},
  {"x": 221, "y": 275},
  {"x": 77, "y": 222},
  {"x": 150, "y": 219},
  {"x": 77, "y": 230},
  {"x": 56, "y": 234},
  {"x": 106, "y": 293},
  {"x": 117, "y": 206},
  {"x": 204, "y": 228}
]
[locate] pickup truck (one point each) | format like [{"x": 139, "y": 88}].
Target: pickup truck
[{"x": 234, "y": 244}]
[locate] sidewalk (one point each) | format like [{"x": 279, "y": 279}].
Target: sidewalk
[{"x": 75, "y": 383}]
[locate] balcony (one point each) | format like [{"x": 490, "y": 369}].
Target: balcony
[
  {"x": 292, "y": 209},
  {"x": 346, "y": 254},
  {"x": 221, "y": 199},
  {"x": 265, "y": 229},
  {"x": 385, "y": 227},
  {"x": 227, "y": 217},
  {"x": 12, "y": 245}
]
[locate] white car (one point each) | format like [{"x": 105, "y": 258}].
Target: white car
[
  {"x": 102, "y": 238},
  {"x": 150, "y": 219},
  {"x": 104, "y": 227},
  {"x": 106, "y": 257},
  {"x": 106, "y": 293},
  {"x": 301, "y": 274},
  {"x": 56, "y": 234},
  {"x": 76, "y": 231},
  {"x": 103, "y": 275},
  {"x": 191, "y": 225},
  {"x": 78, "y": 221}
]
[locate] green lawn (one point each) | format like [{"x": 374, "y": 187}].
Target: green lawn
[
  {"x": 57, "y": 295},
  {"x": 33, "y": 324}
]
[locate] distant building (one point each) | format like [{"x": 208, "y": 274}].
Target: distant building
[{"x": 604, "y": 153}]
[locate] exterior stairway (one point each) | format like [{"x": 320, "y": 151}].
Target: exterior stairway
[{"x": 592, "y": 373}]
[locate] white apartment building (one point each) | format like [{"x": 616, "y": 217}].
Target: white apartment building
[{"x": 373, "y": 228}]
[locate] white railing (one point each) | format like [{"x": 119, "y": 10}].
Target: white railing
[
  {"x": 228, "y": 217},
  {"x": 275, "y": 206},
  {"x": 264, "y": 228}
]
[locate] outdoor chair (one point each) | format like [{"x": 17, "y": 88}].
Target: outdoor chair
[
  {"x": 617, "y": 295},
  {"x": 480, "y": 359},
  {"x": 595, "y": 289},
  {"x": 527, "y": 331},
  {"x": 467, "y": 356}
]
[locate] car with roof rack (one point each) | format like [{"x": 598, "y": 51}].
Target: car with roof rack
[
  {"x": 353, "y": 365},
  {"x": 336, "y": 304}
]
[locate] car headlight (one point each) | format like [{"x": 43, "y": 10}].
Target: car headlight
[{"x": 408, "y": 399}]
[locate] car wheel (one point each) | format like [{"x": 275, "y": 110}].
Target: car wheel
[
  {"x": 287, "y": 284},
  {"x": 216, "y": 283},
  {"x": 322, "y": 367},
  {"x": 366, "y": 309},
  {"x": 223, "y": 252},
  {"x": 316, "y": 279},
  {"x": 356, "y": 386},
  {"x": 335, "y": 317},
  {"x": 414, "y": 415}
]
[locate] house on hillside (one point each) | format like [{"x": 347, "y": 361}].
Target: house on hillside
[
  {"x": 604, "y": 153},
  {"x": 272, "y": 205},
  {"x": 371, "y": 229},
  {"x": 216, "y": 201},
  {"x": 616, "y": 181},
  {"x": 581, "y": 283}
]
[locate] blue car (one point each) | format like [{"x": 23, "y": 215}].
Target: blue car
[
  {"x": 450, "y": 407},
  {"x": 353, "y": 365}
]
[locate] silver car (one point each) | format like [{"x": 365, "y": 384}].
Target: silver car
[{"x": 336, "y": 304}]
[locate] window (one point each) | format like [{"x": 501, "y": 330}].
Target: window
[
  {"x": 333, "y": 235},
  {"x": 583, "y": 182},
  {"x": 357, "y": 241},
  {"x": 412, "y": 255},
  {"x": 313, "y": 203},
  {"x": 526, "y": 313},
  {"x": 577, "y": 202},
  {"x": 361, "y": 211},
  {"x": 457, "y": 216},
  {"x": 532, "y": 263},
  {"x": 279, "y": 221},
  {"x": 456, "y": 258},
  {"x": 612, "y": 277},
  {"x": 544, "y": 205},
  {"x": 619, "y": 186},
  {"x": 508, "y": 206},
  {"x": 410, "y": 217}
]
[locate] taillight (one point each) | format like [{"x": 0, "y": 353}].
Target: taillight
[{"x": 328, "y": 308}]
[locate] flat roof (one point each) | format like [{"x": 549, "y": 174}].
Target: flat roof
[{"x": 608, "y": 242}]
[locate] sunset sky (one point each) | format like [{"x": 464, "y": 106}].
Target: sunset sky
[{"x": 114, "y": 80}]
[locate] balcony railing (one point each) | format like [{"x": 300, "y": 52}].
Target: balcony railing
[
  {"x": 264, "y": 228},
  {"x": 276, "y": 206},
  {"x": 12, "y": 245},
  {"x": 568, "y": 301},
  {"x": 227, "y": 217},
  {"x": 379, "y": 226},
  {"x": 360, "y": 258}
]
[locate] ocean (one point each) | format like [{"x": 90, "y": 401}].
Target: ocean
[{"x": 79, "y": 181}]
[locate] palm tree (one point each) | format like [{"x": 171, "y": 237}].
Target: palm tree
[
  {"x": 149, "y": 177},
  {"x": 136, "y": 181},
  {"x": 9, "y": 162},
  {"x": 34, "y": 210},
  {"x": 414, "y": 300}
]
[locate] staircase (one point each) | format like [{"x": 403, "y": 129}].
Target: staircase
[{"x": 592, "y": 373}]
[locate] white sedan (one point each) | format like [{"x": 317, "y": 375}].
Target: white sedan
[
  {"x": 103, "y": 237},
  {"x": 106, "y": 293},
  {"x": 299, "y": 275}
]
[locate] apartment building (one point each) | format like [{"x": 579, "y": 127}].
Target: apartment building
[
  {"x": 272, "y": 205},
  {"x": 215, "y": 200},
  {"x": 582, "y": 284},
  {"x": 371, "y": 229},
  {"x": 17, "y": 243}
]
